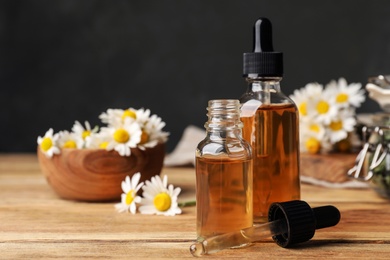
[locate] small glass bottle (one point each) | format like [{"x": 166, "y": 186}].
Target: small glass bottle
[
  {"x": 223, "y": 173},
  {"x": 271, "y": 125}
]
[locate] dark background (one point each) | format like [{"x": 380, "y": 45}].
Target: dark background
[{"x": 70, "y": 60}]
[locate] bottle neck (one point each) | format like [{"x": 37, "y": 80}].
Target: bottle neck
[
  {"x": 267, "y": 84},
  {"x": 224, "y": 118}
]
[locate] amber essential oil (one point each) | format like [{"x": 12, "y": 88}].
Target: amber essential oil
[
  {"x": 273, "y": 135},
  {"x": 224, "y": 195}
]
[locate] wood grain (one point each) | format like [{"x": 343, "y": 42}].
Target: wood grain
[
  {"x": 327, "y": 167},
  {"x": 36, "y": 223},
  {"x": 95, "y": 174}
]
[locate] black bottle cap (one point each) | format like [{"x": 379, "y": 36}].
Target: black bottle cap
[
  {"x": 301, "y": 220},
  {"x": 263, "y": 61}
]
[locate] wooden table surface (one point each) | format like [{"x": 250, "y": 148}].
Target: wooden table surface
[{"x": 35, "y": 223}]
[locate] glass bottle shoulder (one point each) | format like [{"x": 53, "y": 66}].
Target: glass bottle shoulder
[
  {"x": 273, "y": 97},
  {"x": 225, "y": 148}
]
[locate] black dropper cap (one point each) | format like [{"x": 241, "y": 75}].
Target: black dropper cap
[
  {"x": 301, "y": 220},
  {"x": 263, "y": 61}
]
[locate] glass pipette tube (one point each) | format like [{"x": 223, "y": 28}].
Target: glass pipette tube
[
  {"x": 290, "y": 222},
  {"x": 236, "y": 238}
]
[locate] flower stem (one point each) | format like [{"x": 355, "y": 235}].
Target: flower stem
[{"x": 187, "y": 203}]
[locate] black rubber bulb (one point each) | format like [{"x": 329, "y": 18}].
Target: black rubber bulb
[
  {"x": 263, "y": 61},
  {"x": 262, "y": 36}
]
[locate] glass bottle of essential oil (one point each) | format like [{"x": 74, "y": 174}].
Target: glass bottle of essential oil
[
  {"x": 271, "y": 125},
  {"x": 223, "y": 173}
]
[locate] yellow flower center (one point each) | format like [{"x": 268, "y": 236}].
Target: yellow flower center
[
  {"x": 128, "y": 113},
  {"x": 313, "y": 145},
  {"x": 162, "y": 201},
  {"x": 341, "y": 98},
  {"x": 85, "y": 134},
  {"x": 70, "y": 144},
  {"x": 129, "y": 197},
  {"x": 322, "y": 107},
  {"x": 103, "y": 145},
  {"x": 336, "y": 125},
  {"x": 46, "y": 144},
  {"x": 144, "y": 137},
  {"x": 315, "y": 128},
  {"x": 303, "y": 109},
  {"x": 121, "y": 136}
]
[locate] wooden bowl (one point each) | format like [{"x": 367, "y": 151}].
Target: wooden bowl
[{"x": 96, "y": 175}]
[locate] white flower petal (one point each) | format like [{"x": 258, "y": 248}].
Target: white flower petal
[
  {"x": 165, "y": 181},
  {"x": 148, "y": 196},
  {"x": 123, "y": 198},
  {"x": 133, "y": 208},
  {"x": 147, "y": 209},
  {"x": 126, "y": 185},
  {"x": 120, "y": 207},
  {"x": 134, "y": 180},
  {"x": 176, "y": 192},
  {"x": 138, "y": 187},
  {"x": 137, "y": 199}
]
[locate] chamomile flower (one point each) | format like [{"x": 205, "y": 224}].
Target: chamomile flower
[
  {"x": 312, "y": 128},
  {"x": 117, "y": 116},
  {"x": 346, "y": 95},
  {"x": 310, "y": 144},
  {"x": 305, "y": 96},
  {"x": 124, "y": 136},
  {"x": 129, "y": 197},
  {"x": 327, "y": 115},
  {"x": 300, "y": 98},
  {"x": 98, "y": 140},
  {"x": 142, "y": 116},
  {"x": 314, "y": 90},
  {"x": 69, "y": 140},
  {"x": 158, "y": 198},
  {"x": 152, "y": 133},
  {"x": 340, "y": 127},
  {"x": 83, "y": 131},
  {"x": 311, "y": 136},
  {"x": 48, "y": 143},
  {"x": 126, "y": 129},
  {"x": 322, "y": 108}
]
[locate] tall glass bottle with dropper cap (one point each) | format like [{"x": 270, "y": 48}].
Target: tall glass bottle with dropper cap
[
  {"x": 223, "y": 173},
  {"x": 271, "y": 125}
]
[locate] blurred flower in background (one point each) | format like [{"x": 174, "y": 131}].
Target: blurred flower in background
[{"x": 327, "y": 115}]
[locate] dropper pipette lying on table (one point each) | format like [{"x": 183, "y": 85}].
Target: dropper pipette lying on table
[{"x": 289, "y": 223}]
